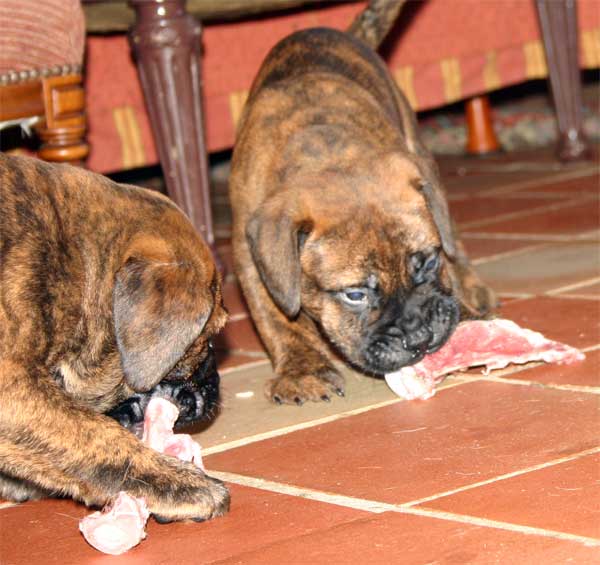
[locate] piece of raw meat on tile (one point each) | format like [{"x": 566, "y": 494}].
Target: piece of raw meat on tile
[
  {"x": 493, "y": 344},
  {"x": 121, "y": 525}
]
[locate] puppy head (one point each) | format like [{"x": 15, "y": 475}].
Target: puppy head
[
  {"x": 167, "y": 305},
  {"x": 366, "y": 257}
]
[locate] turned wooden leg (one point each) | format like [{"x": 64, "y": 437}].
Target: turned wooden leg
[
  {"x": 558, "y": 19},
  {"x": 166, "y": 43},
  {"x": 481, "y": 137},
  {"x": 62, "y": 132}
]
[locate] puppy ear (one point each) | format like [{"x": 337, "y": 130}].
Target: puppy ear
[
  {"x": 438, "y": 206},
  {"x": 159, "y": 310},
  {"x": 272, "y": 235}
]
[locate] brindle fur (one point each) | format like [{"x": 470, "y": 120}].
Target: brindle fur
[
  {"x": 330, "y": 186},
  {"x": 105, "y": 290}
]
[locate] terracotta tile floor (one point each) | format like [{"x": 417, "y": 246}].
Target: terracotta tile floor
[{"x": 493, "y": 469}]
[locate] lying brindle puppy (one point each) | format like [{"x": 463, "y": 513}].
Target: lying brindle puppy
[{"x": 108, "y": 296}]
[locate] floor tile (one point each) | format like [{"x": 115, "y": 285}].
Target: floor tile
[
  {"x": 396, "y": 538},
  {"x": 46, "y": 532},
  {"x": 231, "y": 360},
  {"x": 246, "y": 412},
  {"x": 569, "y": 320},
  {"x": 573, "y": 218},
  {"x": 480, "y": 249},
  {"x": 562, "y": 497},
  {"x": 587, "y": 185},
  {"x": 473, "y": 210},
  {"x": 588, "y": 290},
  {"x": 239, "y": 335},
  {"x": 585, "y": 373},
  {"x": 410, "y": 450},
  {"x": 234, "y": 299},
  {"x": 542, "y": 268}
]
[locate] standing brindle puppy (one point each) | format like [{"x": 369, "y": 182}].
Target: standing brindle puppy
[
  {"x": 106, "y": 292},
  {"x": 341, "y": 234}
]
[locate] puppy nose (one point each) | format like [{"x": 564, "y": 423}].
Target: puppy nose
[{"x": 418, "y": 335}]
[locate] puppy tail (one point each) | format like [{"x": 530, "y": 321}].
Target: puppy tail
[{"x": 375, "y": 21}]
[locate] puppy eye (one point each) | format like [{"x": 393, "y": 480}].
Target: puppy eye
[
  {"x": 354, "y": 296},
  {"x": 432, "y": 262},
  {"x": 422, "y": 265}
]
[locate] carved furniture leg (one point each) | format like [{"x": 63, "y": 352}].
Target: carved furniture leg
[
  {"x": 63, "y": 130},
  {"x": 166, "y": 43},
  {"x": 558, "y": 19},
  {"x": 481, "y": 137}
]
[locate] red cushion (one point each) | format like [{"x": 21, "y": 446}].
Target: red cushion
[{"x": 40, "y": 34}]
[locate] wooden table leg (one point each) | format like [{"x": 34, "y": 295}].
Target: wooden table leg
[
  {"x": 165, "y": 40},
  {"x": 558, "y": 19}
]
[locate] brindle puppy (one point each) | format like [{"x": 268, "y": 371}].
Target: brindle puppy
[
  {"x": 106, "y": 291},
  {"x": 342, "y": 237}
]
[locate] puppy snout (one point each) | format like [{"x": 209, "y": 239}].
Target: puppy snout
[
  {"x": 190, "y": 405},
  {"x": 417, "y": 333}
]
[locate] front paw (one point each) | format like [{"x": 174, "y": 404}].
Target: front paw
[
  {"x": 193, "y": 496},
  {"x": 297, "y": 388}
]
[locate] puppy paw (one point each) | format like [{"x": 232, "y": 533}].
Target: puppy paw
[
  {"x": 197, "y": 500},
  {"x": 478, "y": 301},
  {"x": 316, "y": 386}
]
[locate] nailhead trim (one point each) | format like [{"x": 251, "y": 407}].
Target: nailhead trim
[{"x": 16, "y": 77}]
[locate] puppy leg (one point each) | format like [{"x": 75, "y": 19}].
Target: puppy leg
[
  {"x": 299, "y": 356},
  {"x": 476, "y": 298},
  {"x": 19, "y": 491},
  {"x": 49, "y": 441}
]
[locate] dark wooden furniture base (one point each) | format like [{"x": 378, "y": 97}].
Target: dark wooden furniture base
[
  {"x": 166, "y": 42},
  {"x": 558, "y": 20}
]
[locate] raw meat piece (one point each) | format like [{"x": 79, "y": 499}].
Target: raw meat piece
[
  {"x": 120, "y": 526},
  {"x": 159, "y": 419},
  {"x": 492, "y": 343}
]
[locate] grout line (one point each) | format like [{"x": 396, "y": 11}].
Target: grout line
[
  {"x": 574, "y": 286},
  {"x": 523, "y": 471},
  {"x": 523, "y": 382},
  {"x": 310, "y": 423},
  {"x": 293, "y": 428},
  {"x": 582, "y": 237},
  {"x": 377, "y": 507},
  {"x": 569, "y": 296},
  {"x": 486, "y": 522},
  {"x": 509, "y": 254},
  {"x": 4, "y": 505},
  {"x": 303, "y": 492},
  {"x": 243, "y": 367},
  {"x": 538, "y": 183},
  {"x": 513, "y": 369},
  {"x": 237, "y": 317},
  {"x": 248, "y": 353},
  {"x": 515, "y": 295},
  {"x": 574, "y": 296},
  {"x": 522, "y": 213}
]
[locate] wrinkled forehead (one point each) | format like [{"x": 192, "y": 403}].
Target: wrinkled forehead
[{"x": 361, "y": 252}]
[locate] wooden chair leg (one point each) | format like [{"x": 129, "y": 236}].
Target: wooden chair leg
[
  {"x": 63, "y": 130},
  {"x": 165, "y": 40},
  {"x": 481, "y": 137},
  {"x": 558, "y": 19}
]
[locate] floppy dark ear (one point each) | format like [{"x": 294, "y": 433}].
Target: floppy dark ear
[
  {"x": 438, "y": 206},
  {"x": 273, "y": 239},
  {"x": 159, "y": 310}
]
